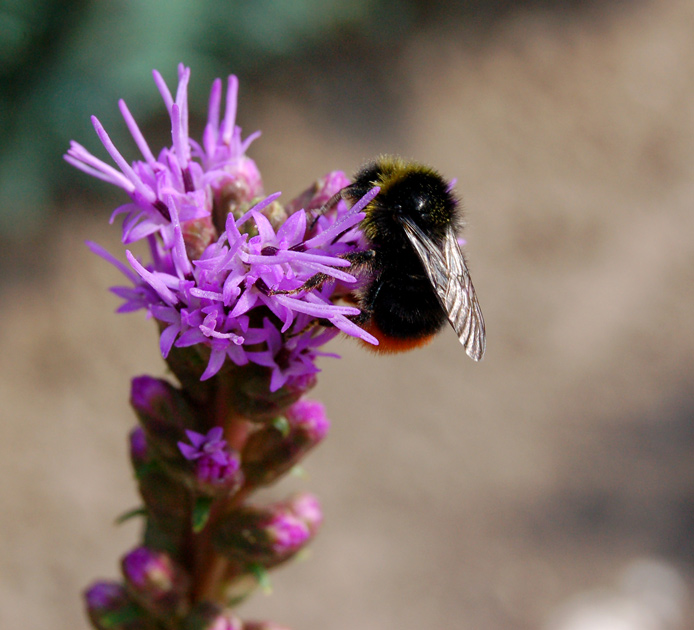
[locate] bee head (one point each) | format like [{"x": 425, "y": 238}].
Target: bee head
[
  {"x": 423, "y": 196},
  {"x": 407, "y": 190}
]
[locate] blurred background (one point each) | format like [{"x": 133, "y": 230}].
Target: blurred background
[{"x": 549, "y": 487}]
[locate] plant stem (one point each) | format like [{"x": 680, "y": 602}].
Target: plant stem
[{"x": 211, "y": 569}]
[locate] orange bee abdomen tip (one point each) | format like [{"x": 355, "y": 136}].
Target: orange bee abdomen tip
[{"x": 393, "y": 345}]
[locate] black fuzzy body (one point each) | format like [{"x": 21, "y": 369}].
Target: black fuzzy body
[{"x": 399, "y": 300}]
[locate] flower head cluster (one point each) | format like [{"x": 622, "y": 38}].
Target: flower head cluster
[{"x": 223, "y": 255}]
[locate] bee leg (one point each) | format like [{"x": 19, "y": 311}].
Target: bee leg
[
  {"x": 367, "y": 305},
  {"x": 360, "y": 319},
  {"x": 316, "y": 323},
  {"x": 312, "y": 283},
  {"x": 358, "y": 261},
  {"x": 361, "y": 259}
]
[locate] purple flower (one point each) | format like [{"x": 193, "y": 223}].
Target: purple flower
[
  {"x": 155, "y": 580},
  {"x": 286, "y": 532},
  {"x": 305, "y": 506},
  {"x": 309, "y": 415},
  {"x": 139, "y": 450},
  {"x": 268, "y": 535},
  {"x": 220, "y": 251},
  {"x": 106, "y": 601},
  {"x": 147, "y": 569},
  {"x": 215, "y": 463},
  {"x": 105, "y": 595}
]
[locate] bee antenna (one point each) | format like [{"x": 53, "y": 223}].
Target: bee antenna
[{"x": 327, "y": 206}]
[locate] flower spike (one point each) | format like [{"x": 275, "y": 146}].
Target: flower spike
[{"x": 229, "y": 276}]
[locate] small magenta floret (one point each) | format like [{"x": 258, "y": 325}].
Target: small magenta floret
[
  {"x": 215, "y": 463},
  {"x": 309, "y": 415},
  {"x": 306, "y": 507},
  {"x": 286, "y": 532},
  {"x": 104, "y": 596}
]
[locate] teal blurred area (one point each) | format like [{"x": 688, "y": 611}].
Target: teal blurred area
[{"x": 63, "y": 61}]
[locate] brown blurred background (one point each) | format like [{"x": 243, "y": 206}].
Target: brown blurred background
[{"x": 550, "y": 486}]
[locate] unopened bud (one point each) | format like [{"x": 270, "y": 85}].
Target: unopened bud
[
  {"x": 157, "y": 583},
  {"x": 266, "y": 536},
  {"x": 309, "y": 417},
  {"x": 269, "y": 452},
  {"x": 168, "y": 508},
  {"x": 163, "y": 413},
  {"x": 139, "y": 452},
  {"x": 197, "y": 235},
  {"x": 253, "y": 399},
  {"x": 306, "y": 507},
  {"x": 275, "y": 213},
  {"x": 319, "y": 193},
  {"x": 110, "y": 607},
  {"x": 236, "y": 194}
]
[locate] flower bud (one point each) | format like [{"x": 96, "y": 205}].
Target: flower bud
[
  {"x": 306, "y": 507},
  {"x": 139, "y": 452},
  {"x": 269, "y": 453},
  {"x": 319, "y": 193},
  {"x": 155, "y": 581},
  {"x": 266, "y": 536},
  {"x": 197, "y": 235},
  {"x": 273, "y": 211},
  {"x": 168, "y": 505},
  {"x": 251, "y": 397},
  {"x": 188, "y": 364},
  {"x": 105, "y": 595},
  {"x": 308, "y": 416},
  {"x": 110, "y": 607},
  {"x": 163, "y": 413},
  {"x": 286, "y": 533},
  {"x": 235, "y": 194}
]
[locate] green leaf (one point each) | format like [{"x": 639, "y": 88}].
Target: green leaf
[
  {"x": 201, "y": 513},
  {"x": 121, "y": 617},
  {"x": 126, "y": 516},
  {"x": 282, "y": 425},
  {"x": 261, "y": 575}
]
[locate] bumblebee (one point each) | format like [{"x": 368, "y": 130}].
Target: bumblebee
[{"x": 417, "y": 277}]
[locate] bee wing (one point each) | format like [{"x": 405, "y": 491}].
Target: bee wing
[{"x": 449, "y": 275}]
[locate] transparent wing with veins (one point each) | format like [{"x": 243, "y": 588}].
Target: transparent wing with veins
[{"x": 446, "y": 269}]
